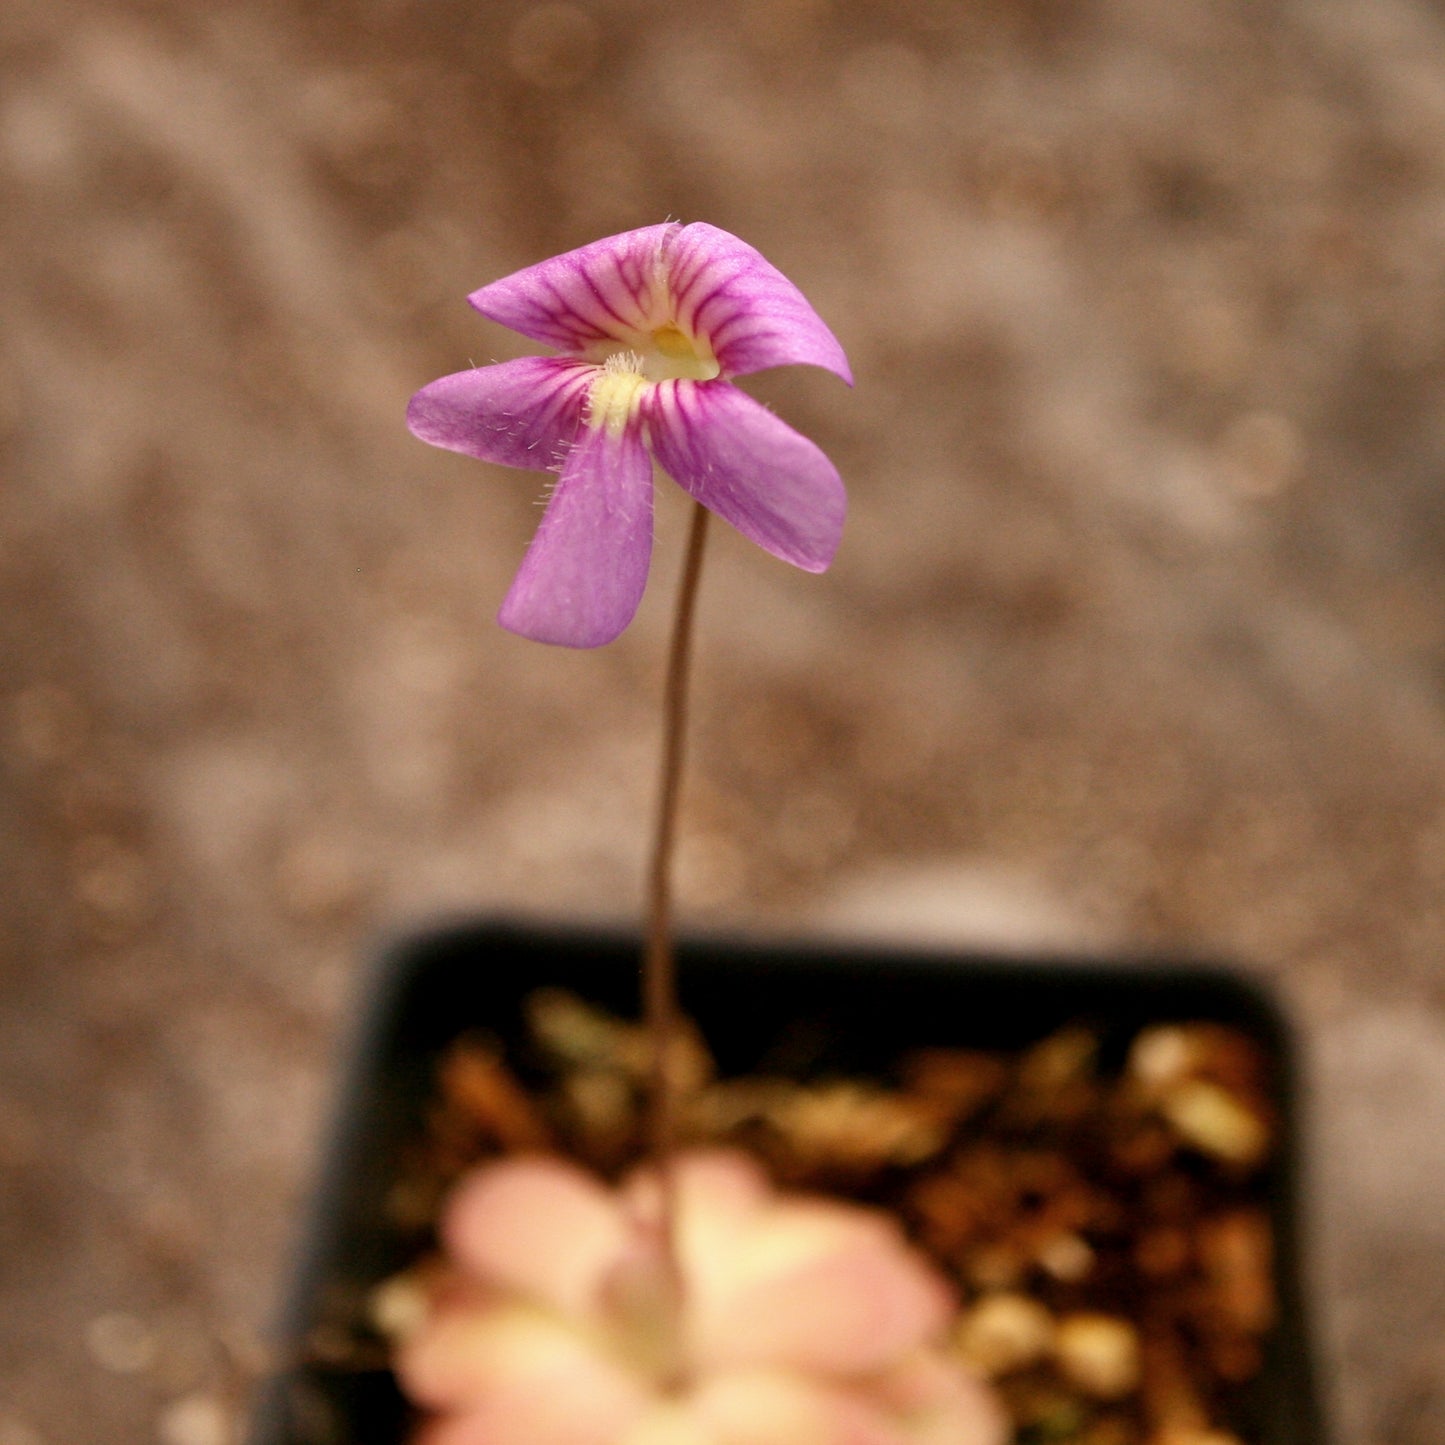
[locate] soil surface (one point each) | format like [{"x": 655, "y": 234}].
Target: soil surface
[{"x": 1136, "y": 640}]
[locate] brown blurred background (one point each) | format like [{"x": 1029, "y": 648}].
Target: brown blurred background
[{"x": 1137, "y": 638}]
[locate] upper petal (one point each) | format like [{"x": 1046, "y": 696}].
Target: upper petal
[
  {"x": 518, "y": 413},
  {"x": 753, "y": 470},
  {"x": 612, "y": 290},
  {"x": 751, "y": 315},
  {"x": 583, "y": 575},
  {"x": 538, "y": 1226}
]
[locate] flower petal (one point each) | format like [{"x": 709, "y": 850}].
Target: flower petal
[
  {"x": 612, "y": 290},
  {"x": 753, "y": 470},
  {"x": 585, "y": 571},
  {"x": 518, "y": 413},
  {"x": 538, "y": 1226},
  {"x": 510, "y": 1375},
  {"x": 749, "y": 312}
]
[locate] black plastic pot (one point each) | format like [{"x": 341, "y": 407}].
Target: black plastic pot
[{"x": 819, "y": 1008}]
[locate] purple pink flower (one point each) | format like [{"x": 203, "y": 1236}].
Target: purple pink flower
[
  {"x": 796, "y": 1320},
  {"x": 651, "y": 327}
]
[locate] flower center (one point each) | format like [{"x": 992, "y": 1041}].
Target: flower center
[
  {"x": 612, "y": 397},
  {"x": 676, "y": 356},
  {"x": 667, "y": 354}
]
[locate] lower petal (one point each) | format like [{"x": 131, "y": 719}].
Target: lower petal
[
  {"x": 520, "y": 413},
  {"x": 583, "y": 575},
  {"x": 753, "y": 470}
]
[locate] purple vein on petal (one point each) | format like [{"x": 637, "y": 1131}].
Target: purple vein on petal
[
  {"x": 603, "y": 290},
  {"x": 753, "y": 470},
  {"x": 520, "y": 413},
  {"x": 584, "y": 573},
  {"x": 619, "y": 322},
  {"x": 720, "y": 281},
  {"x": 571, "y": 324}
]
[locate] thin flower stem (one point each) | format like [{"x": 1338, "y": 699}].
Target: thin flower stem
[
  {"x": 659, "y": 965},
  {"x": 659, "y": 968}
]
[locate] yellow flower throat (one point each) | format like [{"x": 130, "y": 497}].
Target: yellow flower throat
[{"x": 667, "y": 354}]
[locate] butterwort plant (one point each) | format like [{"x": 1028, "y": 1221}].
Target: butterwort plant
[
  {"x": 650, "y": 329},
  {"x": 694, "y": 1305}
]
